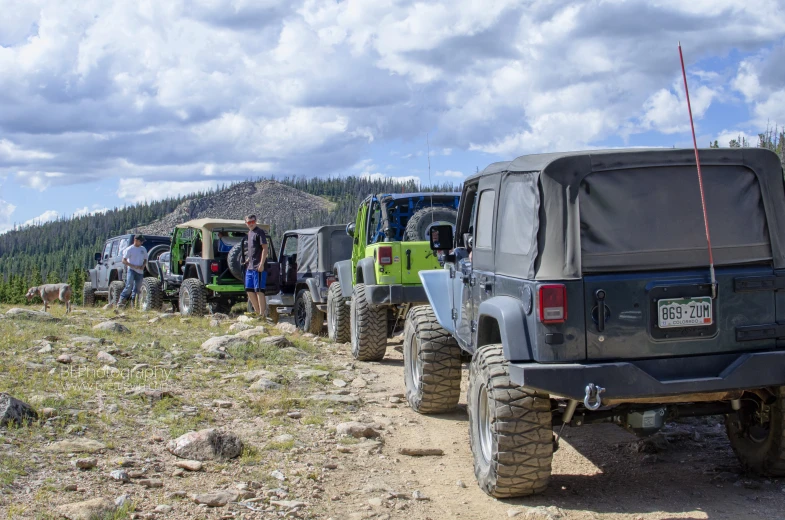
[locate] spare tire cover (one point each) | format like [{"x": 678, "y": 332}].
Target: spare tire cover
[
  {"x": 236, "y": 260},
  {"x": 418, "y": 226}
]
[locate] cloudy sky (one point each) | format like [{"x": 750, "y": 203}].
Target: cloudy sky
[{"x": 111, "y": 102}]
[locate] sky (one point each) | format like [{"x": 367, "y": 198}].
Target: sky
[{"x": 105, "y": 103}]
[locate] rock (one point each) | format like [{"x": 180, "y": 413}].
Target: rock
[
  {"x": 219, "y": 344},
  {"x": 65, "y": 359},
  {"x": 47, "y": 413},
  {"x": 244, "y": 319},
  {"x": 222, "y": 404},
  {"x": 27, "y": 314},
  {"x": 418, "y": 495},
  {"x": 135, "y": 474},
  {"x": 76, "y": 446},
  {"x": 14, "y": 411},
  {"x": 85, "y": 463},
  {"x": 239, "y": 327},
  {"x": 163, "y": 508},
  {"x": 461, "y": 484},
  {"x": 357, "y": 430},
  {"x": 220, "y": 316},
  {"x": 178, "y": 472},
  {"x": 288, "y": 504},
  {"x": 395, "y": 400},
  {"x": 308, "y": 373},
  {"x": 263, "y": 385},
  {"x": 151, "y": 483},
  {"x": 359, "y": 382},
  {"x": 87, "y": 510},
  {"x": 252, "y": 333},
  {"x": 112, "y": 326},
  {"x": 340, "y": 383},
  {"x": 35, "y": 366},
  {"x": 286, "y": 328},
  {"x": 208, "y": 444},
  {"x": 121, "y": 500},
  {"x": 421, "y": 452},
  {"x": 87, "y": 340},
  {"x": 105, "y": 357},
  {"x": 278, "y": 475},
  {"x": 375, "y": 502},
  {"x": 47, "y": 349},
  {"x": 124, "y": 463},
  {"x": 120, "y": 475},
  {"x": 331, "y": 398},
  {"x": 108, "y": 306},
  {"x": 255, "y": 375},
  {"x": 112, "y": 408},
  {"x": 214, "y": 324},
  {"x": 536, "y": 513},
  {"x": 276, "y": 341},
  {"x": 176, "y": 494},
  {"x": 294, "y": 415},
  {"x": 190, "y": 465},
  {"x": 511, "y": 513},
  {"x": 70, "y": 487},
  {"x": 283, "y": 439},
  {"x": 216, "y": 498}
]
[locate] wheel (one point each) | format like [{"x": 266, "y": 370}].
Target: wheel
[
  {"x": 151, "y": 296},
  {"x": 88, "y": 295},
  {"x": 756, "y": 435},
  {"x": 338, "y": 315},
  {"x": 193, "y": 298},
  {"x": 115, "y": 289},
  {"x": 307, "y": 317},
  {"x": 368, "y": 327},
  {"x": 152, "y": 259},
  {"x": 431, "y": 363},
  {"x": 236, "y": 260},
  {"x": 510, "y": 429},
  {"x": 418, "y": 226}
]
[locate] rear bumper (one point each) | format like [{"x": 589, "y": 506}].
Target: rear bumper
[
  {"x": 655, "y": 377},
  {"x": 395, "y": 294}
]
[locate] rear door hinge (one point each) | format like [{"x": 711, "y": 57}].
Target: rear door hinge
[
  {"x": 454, "y": 315},
  {"x": 474, "y": 326},
  {"x": 759, "y": 283},
  {"x": 759, "y": 332}
]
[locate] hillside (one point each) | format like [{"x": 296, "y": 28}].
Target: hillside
[{"x": 273, "y": 203}]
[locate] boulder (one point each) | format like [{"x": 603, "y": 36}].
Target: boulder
[
  {"x": 239, "y": 327},
  {"x": 252, "y": 332},
  {"x": 276, "y": 341},
  {"x": 208, "y": 444},
  {"x": 286, "y": 328},
  {"x": 107, "y": 358},
  {"x": 216, "y": 498},
  {"x": 264, "y": 385},
  {"x": 14, "y": 411},
  {"x": 76, "y": 446},
  {"x": 308, "y": 373},
  {"x": 87, "y": 340},
  {"x": 87, "y": 510},
  {"x": 219, "y": 344},
  {"x": 357, "y": 430},
  {"x": 112, "y": 326},
  {"x": 27, "y": 314}
]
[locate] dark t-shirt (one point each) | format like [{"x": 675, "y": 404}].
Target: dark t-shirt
[{"x": 256, "y": 238}]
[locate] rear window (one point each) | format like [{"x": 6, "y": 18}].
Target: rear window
[{"x": 652, "y": 218}]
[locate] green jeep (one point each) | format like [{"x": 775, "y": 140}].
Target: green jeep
[{"x": 377, "y": 287}]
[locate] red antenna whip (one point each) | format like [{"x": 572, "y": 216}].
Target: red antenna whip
[{"x": 700, "y": 178}]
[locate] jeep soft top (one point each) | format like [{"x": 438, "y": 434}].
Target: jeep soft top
[{"x": 582, "y": 279}]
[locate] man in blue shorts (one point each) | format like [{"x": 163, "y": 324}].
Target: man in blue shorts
[{"x": 255, "y": 275}]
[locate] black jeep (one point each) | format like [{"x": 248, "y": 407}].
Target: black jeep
[
  {"x": 307, "y": 257},
  {"x": 580, "y": 286},
  {"x": 107, "y": 277}
]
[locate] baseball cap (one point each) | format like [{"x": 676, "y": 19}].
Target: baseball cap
[{"x": 140, "y": 238}]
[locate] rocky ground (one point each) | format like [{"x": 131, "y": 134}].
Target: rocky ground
[{"x": 158, "y": 416}]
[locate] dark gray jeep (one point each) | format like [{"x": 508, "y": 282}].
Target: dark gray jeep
[
  {"x": 306, "y": 273},
  {"x": 579, "y": 285}
]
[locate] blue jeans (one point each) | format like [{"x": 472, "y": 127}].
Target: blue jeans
[{"x": 133, "y": 281}]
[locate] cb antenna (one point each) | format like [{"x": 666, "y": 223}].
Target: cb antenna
[
  {"x": 430, "y": 187},
  {"x": 700, "y": 178}
]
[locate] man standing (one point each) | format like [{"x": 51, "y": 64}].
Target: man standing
[
  {"x": 255, "y": 275},
  {"x": 135, "y": 258}
]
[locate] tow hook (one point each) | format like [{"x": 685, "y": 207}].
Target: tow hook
[{"x": 593, "y": 394}]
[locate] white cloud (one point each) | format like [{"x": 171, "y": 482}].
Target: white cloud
[
  {"x": 85, "y": 211},
  {"x": 38, "y": 180},
  {"x": 138, "y": 190},
  {"x": 450, "y": 173},
  {"x": 383, "y": 177},
  {"x": 43, "y": 218},
  {"x": 6, "y": 211}
]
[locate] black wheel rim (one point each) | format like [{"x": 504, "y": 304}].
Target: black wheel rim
[
  {"x": 185, "y": 305},
  {"x": 299, "y": 313}
]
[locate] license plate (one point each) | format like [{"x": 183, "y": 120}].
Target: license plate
[{"x": 684, "y": 312}]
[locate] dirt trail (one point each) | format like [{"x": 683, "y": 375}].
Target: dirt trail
[{"x": 599, "y": 472}]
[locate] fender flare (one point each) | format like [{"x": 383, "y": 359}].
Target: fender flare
[
  {"x": 92, "y": 275},
  {"x": 314, "y": 288},
  {"x": 343, "y": 273},
  {"x": 437, "y": 285},
  {"x": 366, "y": 271},
  {"x": 508, "y": 315}
]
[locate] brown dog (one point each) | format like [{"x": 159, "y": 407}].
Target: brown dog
[{"x": 51, "y": 292}]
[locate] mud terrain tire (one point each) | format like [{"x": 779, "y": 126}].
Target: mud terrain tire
[
  {"x": 236, "y": 260},
  {"x": 762, "y": 451},
  {"x": 88, "y": 295},
  {"x": 418, "y": 225},
  {"x": 432, "y": 363},
  {"x": 510, "y": 429},
  {"x": 368, "y": 327},
  {"x": 339, "y": 326},
  {"x": 307, "y": 317},
  {"x": 115, "y": 289},
  {"x": 193, "y": 298},
  {"x": 150, "y": 297}
]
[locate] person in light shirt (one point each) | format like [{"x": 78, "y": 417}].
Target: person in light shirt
[{"x": 135, "y": 258}]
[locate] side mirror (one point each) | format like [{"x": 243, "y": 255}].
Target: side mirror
[
  {"x": 98, "y": 257},
  {"x": 441, "y": 237},
  {"x": 350, "y": 229}
]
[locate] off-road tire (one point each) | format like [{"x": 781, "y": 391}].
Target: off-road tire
[
  {"x": 88, "y": 295},
  {"x": 307, "y": 317},
  {"x": 510, "y": 429},
  {"x": 235, "y": 259},
  {"x": 339, "y": 318},
  {"x": 368, "y": 327},
  {"x": 431, "y": 363},
  {"x": 153, "y": 268},
  {"x": 193, "y": 298},
  {"x": 417, "y": 227},
  {"x": 115, "y": 289},
  {"x": 766, "y": 455},
  {"x": 151, "y": 296}
]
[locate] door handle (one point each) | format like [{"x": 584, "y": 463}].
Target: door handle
[
  {"x": 488, "y": 286},
  {"x": 600, "y": 296}
]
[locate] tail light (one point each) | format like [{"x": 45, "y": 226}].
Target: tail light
[
  {"x": 214, "y": 267},
  {"x": 330, "y": 280},
  {"x": 553, "y": 303},
  {"x": 384, "y": 255}
]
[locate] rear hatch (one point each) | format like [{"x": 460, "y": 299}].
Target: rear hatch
[
  {"x": 645, "y": 263},
  {"x": 400, "y": 262}
]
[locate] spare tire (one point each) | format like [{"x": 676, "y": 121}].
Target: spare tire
[
  {"x": 418, "y": 226},
  {"x": 236, "y": 260},
  {"x": 153, "y": 268}
]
